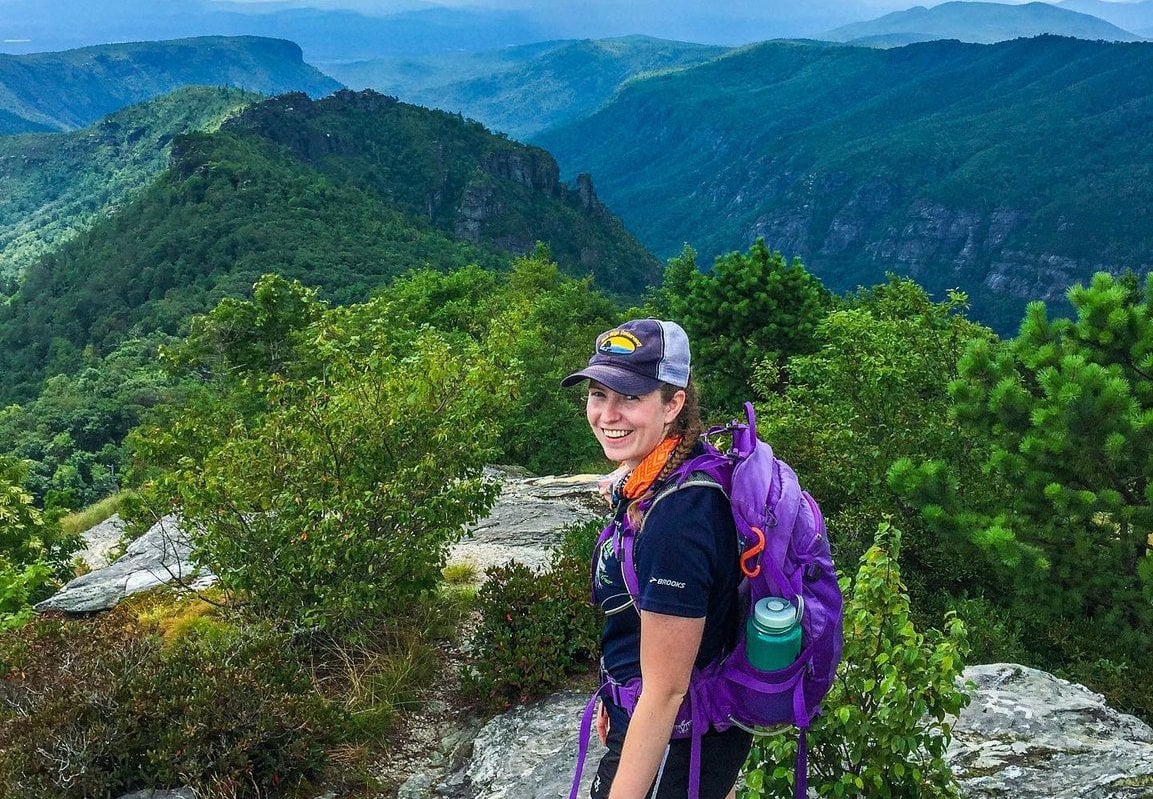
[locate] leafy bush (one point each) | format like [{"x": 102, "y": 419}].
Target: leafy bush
[
  {"x": 535, "y": 629},
  {"x": 102, "y": 707},
  {"x": 888, "y": 718},
  {"x": 19, "y": 589},
  {"x": 336, "y": 506}
]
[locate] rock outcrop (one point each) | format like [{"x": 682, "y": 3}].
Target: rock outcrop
[
  {"x": 527, "y": 521},
  {"x": 1025, "y": 735},
  {"x": 161, "y": 556},
  {"x": 1029, "y": 735}
]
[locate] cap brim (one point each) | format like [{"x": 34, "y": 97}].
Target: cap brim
[{"x": 619, "y": 380}]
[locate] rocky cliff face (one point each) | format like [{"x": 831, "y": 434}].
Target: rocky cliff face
[{"x": 842, "y": 229}]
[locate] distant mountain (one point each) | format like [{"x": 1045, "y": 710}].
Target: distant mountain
[
  {"x": 29, "y": 26},
  {"x": 71, "y": 89},
  {"x": 369, "y": 29},
  {"x": 523, "y": 90},
  {"x": 342, "y": 193},
  {"x": 1132, "y": 16},
  {"x": 983, "y": 23},
  {"x": 1008, "y": 170},
  {"x": 57, "y": 184}
]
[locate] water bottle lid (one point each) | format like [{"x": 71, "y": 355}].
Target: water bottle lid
[{"x": 774, "y": 613}]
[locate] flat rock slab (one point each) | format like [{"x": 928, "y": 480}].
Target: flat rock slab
[
  {"x": 526, "y": 753},
  {"x": 159, "y": 557},
  {"x": 1030, "y": 735},
  {"x": 528, "y": 520},
  {"x": 99, "y": 540}
]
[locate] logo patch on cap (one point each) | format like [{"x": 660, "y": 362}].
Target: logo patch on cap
[{"x": 619, "y": 342}]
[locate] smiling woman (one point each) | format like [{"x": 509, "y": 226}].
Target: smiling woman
[{"x": 682, "y": 614}]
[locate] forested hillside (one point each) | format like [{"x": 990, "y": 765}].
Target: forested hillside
[
  {"x": 523, "y": 90},
  {"x": 71, "y": 89},
  {"x": 1009, "y": 170},
  {"x": 56, "y": 184},
  {"x": 341, "y": 193}
]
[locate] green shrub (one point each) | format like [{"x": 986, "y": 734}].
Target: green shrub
[
  {"x": 888, "y": 718},
  {"x": 99, "y": 708},
  {"x": 19, "y": 589},
  {"x": 994, "y": 635},
  {"x": 535, "y": 629}
]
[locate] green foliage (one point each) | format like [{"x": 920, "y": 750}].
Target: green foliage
[
  {"x": 1068, "y": 409},
  {"x": 26, "y": 534},
  {"x": 20, "y": 589},
  {"x": 536, "y": 324},
  {"x": 98, "y": 708},
  {"x": 71, "y": 435},
  {"x": 337, "y": 504},
  {"x": 750, "y": 309},
  {"x": 888, "y": 718},
  {"x": 536, "y": 629},
  {"x": 874, "y": 391},
  {"x": 59, "y": 184}
]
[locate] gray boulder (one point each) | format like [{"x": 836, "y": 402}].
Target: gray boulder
[
  {"x": 99, "y": 540},
  {"x": 161, "y": 556},
  {"x": 1029, "y": 735}
]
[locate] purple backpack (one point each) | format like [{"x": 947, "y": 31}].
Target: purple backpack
[{"x": 785, "y": 553}]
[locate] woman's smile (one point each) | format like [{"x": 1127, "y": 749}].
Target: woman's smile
[{"x": 629, "y": 427}]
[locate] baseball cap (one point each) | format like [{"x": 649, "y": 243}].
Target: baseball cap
[{"x": 637, "y": 357}]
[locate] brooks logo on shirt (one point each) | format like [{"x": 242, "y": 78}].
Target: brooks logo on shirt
[{"x": 669, "y": 583}]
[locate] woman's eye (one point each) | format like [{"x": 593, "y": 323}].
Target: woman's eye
[{"x": 632, "y": 398}]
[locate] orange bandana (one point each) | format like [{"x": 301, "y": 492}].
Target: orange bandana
[{"x": 639, "y": 480}]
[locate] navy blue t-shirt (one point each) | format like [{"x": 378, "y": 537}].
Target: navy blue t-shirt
[{"x": 686, "y": 558}]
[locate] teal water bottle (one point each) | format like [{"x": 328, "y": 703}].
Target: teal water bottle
[{"x": 772, "y": 634}]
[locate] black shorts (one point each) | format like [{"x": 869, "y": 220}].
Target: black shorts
[{"x": 722, "y": 755}]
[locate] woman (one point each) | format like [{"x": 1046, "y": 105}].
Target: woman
[{"x": 643, "y": 411}]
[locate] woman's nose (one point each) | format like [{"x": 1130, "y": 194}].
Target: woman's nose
[{"x": 612, "y": 408}]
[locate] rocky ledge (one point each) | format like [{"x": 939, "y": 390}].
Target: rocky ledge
[{"x": 1025, "y": 735}]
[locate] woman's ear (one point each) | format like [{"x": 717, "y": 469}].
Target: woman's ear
[{"x": 673, "y": 406}]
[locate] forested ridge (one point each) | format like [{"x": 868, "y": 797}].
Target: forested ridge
[
  {"x": 74, "y": 88},
  {"x": 57, "y": 184},
  {"x": 1010, "y": 170},
  {"x": 342, "y": 193}
]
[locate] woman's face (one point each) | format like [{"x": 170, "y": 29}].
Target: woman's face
[{"x": 629, "y": 427}]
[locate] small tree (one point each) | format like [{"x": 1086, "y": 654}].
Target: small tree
[
  {"x": 1068, "y": 409},
  {"x": 751, "y": 308},
  {"x": 889, "y": 715},
  {"x": 335, "y": 505}
]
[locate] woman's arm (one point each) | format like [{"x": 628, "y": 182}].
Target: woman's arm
[{"x": 669, "y": 646}]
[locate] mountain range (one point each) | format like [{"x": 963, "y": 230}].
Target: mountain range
[
  {"x": 978, "y": 22},
  {"x": 58, "y": 184},
  {"x": 524, "y": 90},
  {"x": 1009, "y": 170},
  {"x": 65, "y": 91}
]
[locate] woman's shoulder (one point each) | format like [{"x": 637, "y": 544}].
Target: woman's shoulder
[{"x": 699, "y": 501}]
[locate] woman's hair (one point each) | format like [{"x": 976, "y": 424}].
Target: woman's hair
[{"x": 688, "y": 426}]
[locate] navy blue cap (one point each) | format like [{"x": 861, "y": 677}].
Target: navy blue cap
[{"x": 638, "y": 357}]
